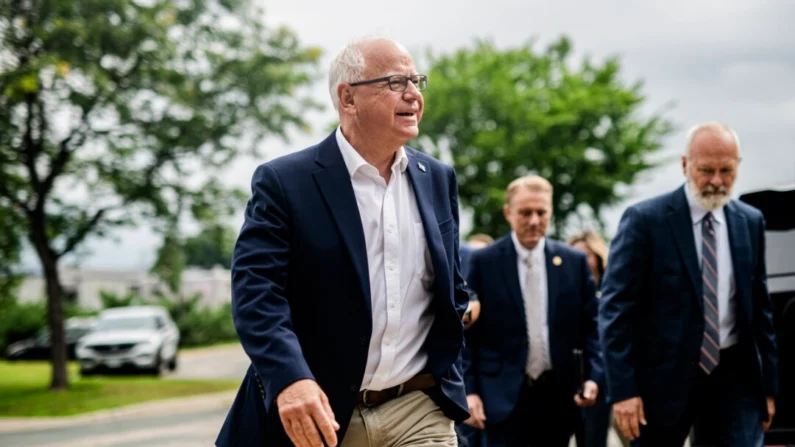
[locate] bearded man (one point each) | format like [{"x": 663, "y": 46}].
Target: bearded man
[{"x": 685, "y": 318}]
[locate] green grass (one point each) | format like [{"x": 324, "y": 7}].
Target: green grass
[{"x": 24, "y": 390}]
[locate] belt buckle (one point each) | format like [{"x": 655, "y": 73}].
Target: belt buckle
[{"x": 364, "y": 399}]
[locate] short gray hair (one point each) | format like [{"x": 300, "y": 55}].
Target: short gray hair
[
  {"x": 712, "y": 125},
  {"x": 348, "y": 66}
]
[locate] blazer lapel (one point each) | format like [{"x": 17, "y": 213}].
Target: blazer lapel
[
  {"x": 420, "y": 178},
  {"x": 682, "y": 226},
  {"x": 553, "y": 281},
  {"x": 739, "y": 238},
  {"x": 335, "y": 185},
  {"x": 510, "y": 271}
]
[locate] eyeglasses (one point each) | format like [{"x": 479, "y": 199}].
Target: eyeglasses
[{"x": 398, "y": 83}]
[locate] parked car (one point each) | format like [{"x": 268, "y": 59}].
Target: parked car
[
  {"x": 38, "y": 347},
  {"x": 777, "y": 206},
  {"x": 136, "y": 338}
]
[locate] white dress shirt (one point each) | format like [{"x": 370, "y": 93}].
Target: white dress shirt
[
  {"x": 726, "y": 286},
  {"x": 400, "y": 269},
  {"x": 539, "y": 259}
]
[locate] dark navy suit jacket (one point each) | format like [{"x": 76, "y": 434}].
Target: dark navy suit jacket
[
  {"x": 301, "y": 291},
  {"x": 651, "y": 316},
  {"x": 498, "y": 345}
]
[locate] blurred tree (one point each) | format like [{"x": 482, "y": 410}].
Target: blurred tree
[
  {"x": 117, "y": 111},
  {"x": 212, "y": 246},
  {"x": 503, "y": 114},
  {"x": 10, "y": 250}
]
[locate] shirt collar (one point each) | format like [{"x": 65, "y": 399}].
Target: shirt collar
[
  {"x": 523, "y": 253},
  {"x": 697, "y": 212},
  {"x": 354, "y": 160}
]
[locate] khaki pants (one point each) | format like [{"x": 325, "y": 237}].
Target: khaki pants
[{"x": 411, "y": 420}]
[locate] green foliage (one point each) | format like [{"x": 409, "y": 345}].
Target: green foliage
[
  {"x": 110, "y": 300},
  {"x": 211, "y": 247},
  {"x": 152, "y": 94},
  {"x": 10, "y": 250},
  {"x": 120, "y": 112},
  {"x": 507, "y": 113}
]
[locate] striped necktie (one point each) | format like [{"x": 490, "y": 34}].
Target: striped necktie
[{"x": 710, "y": 345}]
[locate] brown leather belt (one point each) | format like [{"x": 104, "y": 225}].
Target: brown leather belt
[{"x": 370, "y": 398}]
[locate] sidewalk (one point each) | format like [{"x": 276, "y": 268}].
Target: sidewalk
[{"x": 164, "y": 407}]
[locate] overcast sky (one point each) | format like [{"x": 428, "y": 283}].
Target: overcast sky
[{"x": 732, "y": 61}]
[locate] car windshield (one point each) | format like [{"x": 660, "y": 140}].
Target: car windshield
[{"x": 125, "y": 323}]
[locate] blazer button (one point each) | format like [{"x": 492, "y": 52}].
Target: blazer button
[
  {"x": 353, "y": 388},
  {"x": 363, "y": 341}
]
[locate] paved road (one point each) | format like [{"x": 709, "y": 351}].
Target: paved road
[
  {"x": 220, "y": 362},
  {"x": 190, "y": 429}
]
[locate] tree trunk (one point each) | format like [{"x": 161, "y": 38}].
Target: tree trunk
[{"x": 49, "y": 263}]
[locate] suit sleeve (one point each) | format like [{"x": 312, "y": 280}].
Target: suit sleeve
[
  {"x": 617, "y": 306},
  {"x": 590, "y": 328},
  {"x": 260, "y": 304},
  {"x": 764, "y": 331},
  {"x": 460, "y": 293}
]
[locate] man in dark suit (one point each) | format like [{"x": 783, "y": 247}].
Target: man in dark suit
[
  {"x": 538, "y": 305},
  {"x": 347, "y": 295},
  {"x": 685, "y": 317}
]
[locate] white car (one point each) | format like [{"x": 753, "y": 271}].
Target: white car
[{"x": 142, "y": 338}]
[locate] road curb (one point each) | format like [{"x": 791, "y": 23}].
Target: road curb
[{"x": 164, "y": 407}]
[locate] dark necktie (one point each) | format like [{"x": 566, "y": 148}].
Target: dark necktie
[{"x": 710, "y": 346}]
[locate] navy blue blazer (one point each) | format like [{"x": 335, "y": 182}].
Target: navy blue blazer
[
  {"x": 301, "y": 291},
  {"x": 651, "y": 318},
  {"x": 497, "y": 344}
]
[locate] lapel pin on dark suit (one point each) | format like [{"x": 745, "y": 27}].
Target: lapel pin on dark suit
[
  {"x": 421, "y": 166},
  {"x": 557, "y": 260}
]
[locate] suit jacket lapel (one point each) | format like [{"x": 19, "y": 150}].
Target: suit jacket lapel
[
  {"x": 510, "y": 271},
  {"x": 421, "y": 181},
  {"x": 553, "y": 281},
  {"x": 335, "y": 185},
  {"x": 682, "y": 225},
  {"x": 739, "y": 238}
]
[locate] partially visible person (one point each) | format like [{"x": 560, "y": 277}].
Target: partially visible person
[
  {"x": 538, "y": 306},
  {"x": 685, "y": 317},
  {"x": 593, "y": 432},
  {"x": 470, "y": 436},
  {"x": 474, "y": 242}
]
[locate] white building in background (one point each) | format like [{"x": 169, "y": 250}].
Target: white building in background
[{"x": 83, "y": 286}]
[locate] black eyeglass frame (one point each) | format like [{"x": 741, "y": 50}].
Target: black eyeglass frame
[{"x": 403, "y": 79}]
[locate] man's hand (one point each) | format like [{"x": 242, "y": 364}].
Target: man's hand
[
  {"x": 629, "y": 416},
  {"x": 303, "y": 409},
  {"x": 590, "y": 391},
  {"x": 473, "y": 308},
  {"x": 771, "y": 411},
  {"x": 477, "y": 418}
]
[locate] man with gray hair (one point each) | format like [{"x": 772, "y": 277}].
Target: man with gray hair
[
  {"x": 346, "y": 291},
  {"x": 685, "y": 318}
]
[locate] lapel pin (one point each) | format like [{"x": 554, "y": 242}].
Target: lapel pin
[
  {"x": 557, "y": 261},
  {"x": 421, "y": 166}
]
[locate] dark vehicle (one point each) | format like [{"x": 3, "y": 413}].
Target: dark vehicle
[
  {"x": 38, "y": 347},
  {"x": 778, "y": 206}
]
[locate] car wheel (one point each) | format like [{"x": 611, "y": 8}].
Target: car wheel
[
  {"x": 157, "y": 369},
  {"x": 172, "y": 364}
]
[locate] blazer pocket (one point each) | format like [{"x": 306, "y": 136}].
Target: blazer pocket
[{"x": 446, "y": 226}]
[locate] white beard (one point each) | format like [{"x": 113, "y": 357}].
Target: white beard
[{"x": 709, "y": 198}]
